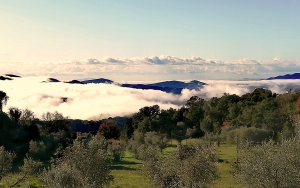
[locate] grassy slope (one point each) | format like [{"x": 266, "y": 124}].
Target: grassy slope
[
  {"x": 126, "y": 172},
  {"x": 227, "y": 153}
]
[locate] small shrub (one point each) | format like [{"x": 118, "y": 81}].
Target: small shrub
[
  {"x": 6, "y": 161},
  {"x": 116, "y": 151},
  {"x": 86, "y": 163}
]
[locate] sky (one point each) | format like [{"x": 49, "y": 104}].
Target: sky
[{"x": 150, "y": 39}]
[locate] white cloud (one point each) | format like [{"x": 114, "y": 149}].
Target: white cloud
[{"x": 149, "y": 68}]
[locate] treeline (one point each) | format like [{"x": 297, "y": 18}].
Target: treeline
[{"x": 267, "y": 114}]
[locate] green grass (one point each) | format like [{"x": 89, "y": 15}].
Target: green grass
[
  {"x": 127, "y": 171},
  {"x": 225, "y": 178},
  {"x": 12, "y": 178},
  {"x": 227, "y": 152}
]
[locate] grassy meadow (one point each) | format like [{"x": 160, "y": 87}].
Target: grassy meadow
[{"x": 127, "y": 171}]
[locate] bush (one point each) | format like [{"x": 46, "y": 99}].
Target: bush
[
  {"x": 116, "y": 151},
  {"x": 6, "y": 161},
  {"x": 270, "y": 164},
  {"x": 143, "y": 140},
  {"x": 86, "y": 163},
  {"x": 45, "y": 148},
  {"x": 192, "y": 166},
  {"x": 251, "y": 134}
]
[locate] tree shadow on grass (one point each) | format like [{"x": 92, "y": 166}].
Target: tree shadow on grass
[{"x": 125, "y": 165}]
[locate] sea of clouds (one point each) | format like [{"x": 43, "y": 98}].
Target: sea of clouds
[{"x": 96, "y": 101}]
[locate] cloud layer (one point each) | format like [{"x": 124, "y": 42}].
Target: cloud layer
[
  {"x": 96, "y": 101},
  {"x": 154, "y": 68}
]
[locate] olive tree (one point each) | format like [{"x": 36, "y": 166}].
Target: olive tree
[
  {"x": 270, "y": 164},
  {"x": 86, "y": 163},
  {"x": 6, "y": 161},
  {"x": 142, "y": 140},
  {"x": 190, "y": 166},
  {"x": 30, "y": 168},
  {"x": 156, "y": 139}
]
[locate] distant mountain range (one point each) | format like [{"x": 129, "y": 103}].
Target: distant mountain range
[
  {"x": 174, "y": 87},
  {"x": 9, "y": 77},
  {"x": 285, "y": 77}
]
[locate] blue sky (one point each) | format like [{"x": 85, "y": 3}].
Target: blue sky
[{"x": 223, "y": 30}]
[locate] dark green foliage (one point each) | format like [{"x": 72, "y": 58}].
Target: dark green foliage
[
  {"x": 147, "y": 111},
  {"x": 14, "y": 114},
  {"x": 165, "y": 121},
  {"x": 11, "y": 137},
  {"x": 195, "y": 111},
  {"x": 3, "y": 99},
  {"x": 128, "y": 128},
  {"x": 28, "y": 124},
  {"x": 45, "y": 147},
  {"x": 260, "y": 109},
  {"x": 32, "y": 132},
  {"x": 144, "y": 125},
  {"x": 251, "y": 134},
  {"x": 109, "y": 130},
  {"x": 5, "y": 127},
  {"x": 55, "y": 122},
  {"x": 257, "y": 95}
]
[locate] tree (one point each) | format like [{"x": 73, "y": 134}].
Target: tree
[
  {"x": 86, "y": 163},
  {"x": 156, "y": 139},
  {"x": 6, "y": 161},
  {"x": 190, "y": 166},
  {"x": 14, "y": 114},
  {"x": 144, "y": 125},
  {"x": 110, "y": 130},
  {"x": 29, "y": 168},
  {"x": 194, "y": 101},
  {"x": 128, "y": 128},
  {"x": 147, "y": 111},
  {"x": 3, "y": 99},
  {"x": 27, "y": 117},
  {"x": 28, "y": 123},
  {"x": 270, "y": 164},
  {"x": 55, "y": 122},
  {"x": 179, "y": 133}
]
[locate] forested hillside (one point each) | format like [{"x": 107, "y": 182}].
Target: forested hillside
[{"x": 260, "y": 110}]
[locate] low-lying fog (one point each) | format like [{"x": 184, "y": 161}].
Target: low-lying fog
[{"x": 94, "y": 101}]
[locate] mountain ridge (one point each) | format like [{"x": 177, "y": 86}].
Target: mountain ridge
[{"x": 285, "y": 77}]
